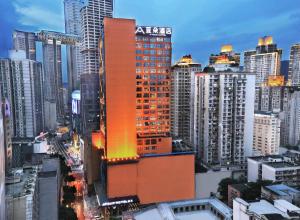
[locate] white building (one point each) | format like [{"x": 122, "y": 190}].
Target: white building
[
  {"x": 182, "y": 98},
  {"x": 285, "y": 172},
  {"x": 294, "y": 65},
  {"x": 254, "y": 172},
  {"x": 264, "y": 210},
  {"x": 206, "y": 209},
  {"x": 266, "y": 134},
  {"x": 224, "y": 116},
  {"x": 264, "y": 61},
  {"x": 274, "y": 168}
]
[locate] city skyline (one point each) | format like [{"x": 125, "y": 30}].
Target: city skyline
[{"x": 199, "y": 34}]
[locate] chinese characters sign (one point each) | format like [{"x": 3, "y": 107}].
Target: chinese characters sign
[{"x": 153, "y": 31}]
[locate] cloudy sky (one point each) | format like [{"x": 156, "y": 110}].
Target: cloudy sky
[{"x": 200, "y": 27}]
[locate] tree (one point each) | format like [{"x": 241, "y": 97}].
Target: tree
[
  {"x": 67, "y": 213},
  {"x": 209, "y": 69},
  {"x": 223, "y": 187},
  {"x": 69, "y": 178},
  {"x": 69, "y": 194}
]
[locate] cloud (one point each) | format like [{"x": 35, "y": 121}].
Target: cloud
[{"x": 39, "y": 17}]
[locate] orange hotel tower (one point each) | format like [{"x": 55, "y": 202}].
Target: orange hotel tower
[{"x": 137, "y": 162}]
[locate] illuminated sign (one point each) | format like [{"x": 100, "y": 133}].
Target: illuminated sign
[
  {"x": 118, "y": 202},
  {"x": 153, "y": 31}
]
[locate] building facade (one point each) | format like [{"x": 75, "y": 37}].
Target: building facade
[
  {"x": 264, "y": 61},
  {"x": 294, "y": 66},
  {"x": 25, "y": 41},
  {"x": 74, "y": 57},
  {"x": 134, "y": 135},
  {"x": 92, "y": 14},
  {"x": 2, "y": 166},
  {"x": 53, "y": 80},
  {"x": 227, "y": 59},
  {"x": 182, "y": 98},
  {"x": 223, "y": 119},
  {"x": 23, "y": 87},
  {"x": 266, "y": 134}
]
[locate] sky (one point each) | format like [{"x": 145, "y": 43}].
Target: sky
[{"x": 200, "y": 27}]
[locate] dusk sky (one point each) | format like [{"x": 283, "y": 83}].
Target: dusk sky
[{"x": 200, "y": 27}]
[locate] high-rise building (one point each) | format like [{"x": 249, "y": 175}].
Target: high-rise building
[
  {"x": 226, "y": 60},
  {"x": 290, "y": 116},
  {"x": 52, "y": 82},
  {"x": 74, "y": 58},
  {"x": 8, "y": 132},
  {"x": 182, "y": 98},
  {"x": 223, "y": 118},
  {"x": 23, "y": 40},
  {"x": 92, "y": 14},
  {"x": 266, "y": 134},
  {"x": 137, "y": 163},
  {"x": 294, "y": 66},
  {"x": 2, "y": 167},
  {"x": 264, "y": 61},
  {"x": 22, "y": 85}
]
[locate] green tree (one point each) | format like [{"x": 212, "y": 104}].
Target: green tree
[
  {"x": 223, "y": 187},
  {"x": 69, "y": 178},
  {"x": 67, "y": 213}
]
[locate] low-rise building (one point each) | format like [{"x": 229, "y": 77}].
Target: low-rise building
[
  {"x": 254, "y": 169},
  {"x": 264, "y": 210},
  {"x": 281, "y": 191},
  {"x": 22, "y": 194},
  {"x": 286, "y": 172},
  {"x": 236, "y": 190},
  {"x": 208, "y": 209}
]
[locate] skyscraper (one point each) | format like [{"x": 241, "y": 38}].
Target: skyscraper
[
  {"x": 74, "y": 58},
  {"x": 92, "y": 14},
  {"x": 294, "y": 66},
  {"x": 264, "y": 61},
  {"x": 23, "y": 40},
  {"x": 182, "y": 97},
  {"x": 2, "y": 167},
  {"x": 22, "y": 86},
  {"x": 137, "y": 163},
  {"x": 54, "y": 107},
  {"x": 223, "y": 118},
  {"x": 227, "y": 59}
]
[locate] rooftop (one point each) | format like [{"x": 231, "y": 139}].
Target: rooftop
[
  {"x": 22, "y": 182},
  {"x": 282, "y": 164},
  {"x": 282, "y": 190},
  {"x": 186, "y": 210},
  {"x": 266, "y": 158}
]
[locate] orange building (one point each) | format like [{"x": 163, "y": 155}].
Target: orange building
[{"x": 135, "y": 117}]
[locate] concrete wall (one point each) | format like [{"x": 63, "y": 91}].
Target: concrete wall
[{"x": 207, "y": 183}]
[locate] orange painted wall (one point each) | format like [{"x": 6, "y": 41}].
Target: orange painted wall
[
  {"x": 119, "y": 44},
  {"x": 166, "y": 178},
  {"x": 158, "y": 179},
  {"x": 121, "y": 180}
]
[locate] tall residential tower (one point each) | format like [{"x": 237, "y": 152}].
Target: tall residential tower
[{"x": 182, "y": 98}]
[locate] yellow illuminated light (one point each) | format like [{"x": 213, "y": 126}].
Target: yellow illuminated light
[
  {"x": 267, "y": 40},
  {"x": 226, "y": 48}
]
